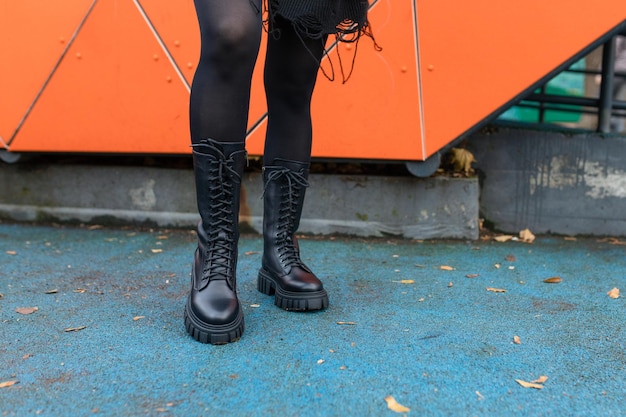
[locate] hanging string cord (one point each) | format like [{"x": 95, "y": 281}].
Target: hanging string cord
[{"x": 347, "y": 31}]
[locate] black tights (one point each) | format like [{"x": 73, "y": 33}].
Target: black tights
[{"x": 220, "y": 93}]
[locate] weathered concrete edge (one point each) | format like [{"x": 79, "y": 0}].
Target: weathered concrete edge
[
  {"x": 551, "y": 181},
  {"x": 433, "y": 208},
  {"x": 34, "y": 214}
]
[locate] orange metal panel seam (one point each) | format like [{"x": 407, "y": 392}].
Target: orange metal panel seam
[
  {"x": 114, "y": 97},
  {"x": 159, "y": 40},
  {"x": 47, "y": 80},
  {"x": 419, "y": 80}
]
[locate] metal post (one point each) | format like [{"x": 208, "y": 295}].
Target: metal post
[
  {"x": 542, "y": 108},
  {"x": 606, "y": 86}
]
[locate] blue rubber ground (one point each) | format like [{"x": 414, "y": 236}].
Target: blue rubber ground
[{"x": 442, "y": 345}]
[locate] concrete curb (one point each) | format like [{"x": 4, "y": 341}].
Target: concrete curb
[{"x": 355, "y": 205}]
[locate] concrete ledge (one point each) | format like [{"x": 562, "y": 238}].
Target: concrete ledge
[
  {"x": 335, "y": 204},
  {"x": 551, "y": 181}
]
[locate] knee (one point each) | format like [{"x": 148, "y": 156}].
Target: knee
[{"x": 232, "y": 41}]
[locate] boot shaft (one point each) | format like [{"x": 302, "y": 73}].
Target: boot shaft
[
  {"x": 285, "y": 183},
  {"x": 218, "y": 169}
]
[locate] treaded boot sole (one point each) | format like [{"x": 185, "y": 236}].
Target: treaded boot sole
[
  {"x": 292, "y": 301},
  {"x": 213, "y": 334}
]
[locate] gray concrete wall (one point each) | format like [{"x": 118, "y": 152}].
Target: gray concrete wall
[
  {"x": 552, "y": 182},
  {"x": 335, "y": 204}
]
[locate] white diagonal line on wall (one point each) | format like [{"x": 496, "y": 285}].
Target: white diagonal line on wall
[
  {"x": 162, "y": 44},
  {"x": 419, "y": 78},
  {"x": 54, "y": 69}
]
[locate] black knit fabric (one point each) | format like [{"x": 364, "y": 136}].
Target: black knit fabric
[{"x": 317, "y": 18}]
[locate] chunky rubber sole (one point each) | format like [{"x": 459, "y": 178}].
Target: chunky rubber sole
[
  {"x": 292, "y": 301},
  {"x": 213, "y": 334}
]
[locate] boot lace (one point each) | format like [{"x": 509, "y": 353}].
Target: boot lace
[
  {"x": 219, "y": 256},
  {"x": 291, "y": 191}
]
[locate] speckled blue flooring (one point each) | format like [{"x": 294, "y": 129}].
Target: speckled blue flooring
[{"x": 437, "y": 341}]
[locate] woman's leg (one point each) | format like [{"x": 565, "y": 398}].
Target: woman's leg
[
  {"x": 220, "y": 96},
  {"x": 291, "y": 69},
  {"x": 220, "y": 93},
  {"x": 290, "y": 74}
]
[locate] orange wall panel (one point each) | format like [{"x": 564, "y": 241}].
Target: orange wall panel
[
  {"x": 33, "y": 36},
  {"x": 477, "y": 55},
  {"x": 175, "y": 24},
  {"x": 113, "y": 76},
  {"x": 114, "y": 91},
  {"x": 376, "y": 113}
]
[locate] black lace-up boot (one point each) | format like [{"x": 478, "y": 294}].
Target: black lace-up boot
[
  {"x": 283, "y": 273},
  {"x": 213, "y": 313}
]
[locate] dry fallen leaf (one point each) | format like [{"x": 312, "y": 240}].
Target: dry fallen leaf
[
  {"x": 80, "y": 290},
  {"x": 446, "y": 268},
  {"x": 320, "y": 361},
  {"x": 529, "y": 384},
  {"x": 542, "y": 379},
  {"x": 495, "y": 289},
  {"x": 612, "y": 241},
  {"x": 405, "y": 281},
  {"x": 252, "y": 252},
  {"x": 7, "y": 384},
  {"x": 346, "y": 323},
  {"x": 526, "y": 236},
  {"x": 26, "y": 310},
  {"x": 517, "y": 340},
  {"x": 614, "y": 293},
  {"x": 51, "y": 292},
  {"x": 74, "y": 329},
  {"x": 553, "y": 280},
  {"x": 156, "y": 250},
  {"x": 462, "y": 160},
  {"x": 136, "y": 318},
  {"x": 503, "y": 238},
  {"x": 510, "y": 258},
  {"x": 393, "y": 405},
  {"x": 11, "y": 252},
  {"x": 472, "y": 275}
]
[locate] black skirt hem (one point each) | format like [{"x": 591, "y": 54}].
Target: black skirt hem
[{"x": 346, "y": 20}]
